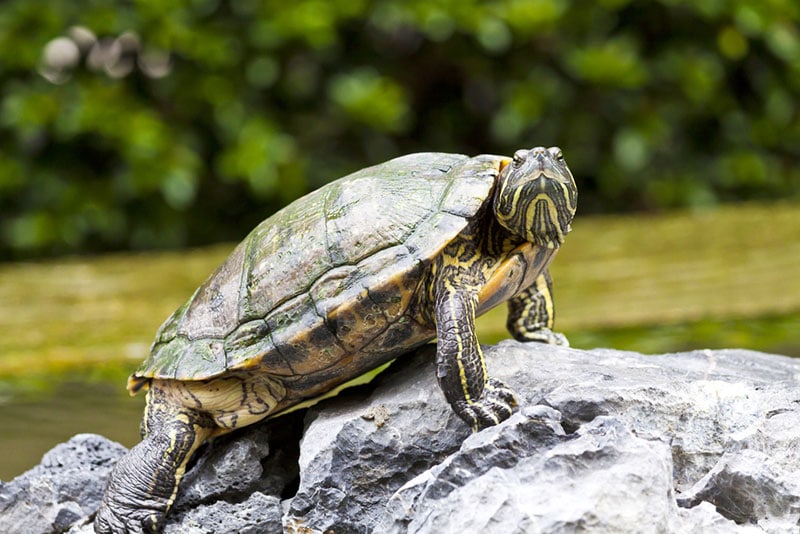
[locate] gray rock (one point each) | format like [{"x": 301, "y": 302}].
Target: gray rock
[
  {"x": 604, "y": 441},
  {"x": 66, "y": 487},
  {"x": 601, "y": 479},
  {"x": 748, "y": 485},
  {"x": 356, "y": 452},
  {"x": 704, "y": 405},
  {"x": 238, "y": 465},
  {"x": 258, "y": 514}
]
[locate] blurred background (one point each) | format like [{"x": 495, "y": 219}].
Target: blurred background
[{"x": 139, "y": 140}]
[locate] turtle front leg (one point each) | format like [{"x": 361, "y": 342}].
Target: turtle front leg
[
  {"x": 461, "y": 369},
  {"x": 144, "y": 482},
  {"x": 531, "y": 314}
]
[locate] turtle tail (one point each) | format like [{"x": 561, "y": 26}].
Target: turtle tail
[{"x": 136, "y": 383}]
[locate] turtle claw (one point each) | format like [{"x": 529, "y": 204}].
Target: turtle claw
[
  {"x": 543, "y": 335},
  {"x": 137, "y": 522},
  {"x": 494, "y": 406}
]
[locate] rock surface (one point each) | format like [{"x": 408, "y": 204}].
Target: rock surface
[
  {"x": 604, "y": 441},
  {"x": 67, "y": 486}
]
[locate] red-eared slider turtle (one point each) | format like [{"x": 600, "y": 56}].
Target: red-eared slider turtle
[{"x": 338, "y": 283}]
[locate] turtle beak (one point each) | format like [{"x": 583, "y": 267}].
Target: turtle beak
[{"x": 543, "y": 165}]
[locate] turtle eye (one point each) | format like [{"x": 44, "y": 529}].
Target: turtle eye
[
  {"x": 556, "y": 153},
  {"x": 519, "y": 157}
]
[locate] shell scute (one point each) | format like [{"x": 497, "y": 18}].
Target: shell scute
[
  {"x": 301, "y": 337},
  {"x": 283, "y": 253},
  {"x": 251, "y": 346},
  {"x": 468, "y": 189},
  {"x": 187, "y": 359},
  {"x": 219, "y": 292},
  {"x": 420, "y": 244}
]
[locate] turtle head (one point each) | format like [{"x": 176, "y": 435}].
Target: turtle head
[{"x": 536, "y": 196}]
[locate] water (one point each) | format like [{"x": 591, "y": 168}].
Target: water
[{"x": 33, "y": 424}]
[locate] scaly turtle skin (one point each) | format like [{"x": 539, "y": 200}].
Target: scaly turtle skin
[{"x": 338, "y": 283}]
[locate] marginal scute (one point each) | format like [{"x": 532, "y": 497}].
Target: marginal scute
[
  {"x": 247, "y": 335},
  {"x": 201, "y": 359},
  {"x": 394, "y": 297},
  {"x": 250, "y": 346},
  {"x": 334, "y": 288},
  {"x": 401, "y": 331},
  {"x": 390, "y": 278},
  {"x": 354, "y": 320},
  {"x": 444, "y": 225},
  {"x": 164, "y": 357}
]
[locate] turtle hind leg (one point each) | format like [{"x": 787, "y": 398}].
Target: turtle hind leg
[
  {"x": 531, "y": 314},
  {"x": 144, "y": 482},
  {"x": 179, "y": 417}
]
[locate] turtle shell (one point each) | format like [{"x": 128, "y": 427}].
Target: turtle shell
[{"x": 325, "y": 284}]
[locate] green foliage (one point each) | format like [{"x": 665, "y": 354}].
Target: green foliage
[{"x": 187, "y": 122}]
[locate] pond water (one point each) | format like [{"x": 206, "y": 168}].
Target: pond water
[{"x": 32, "y": 424}]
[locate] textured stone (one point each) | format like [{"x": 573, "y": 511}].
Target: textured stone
[
  {"x": 66, "y": 487},
  {"x": 747, "y": 486},
  {"x": 259, "y": 514},
  {"x": 604, "y": 441},
  {"x": 237, "y": 465},
  {"x": 601, "y": 479}
]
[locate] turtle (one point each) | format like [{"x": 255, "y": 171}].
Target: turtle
[{"x": 340, "y": 282}]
